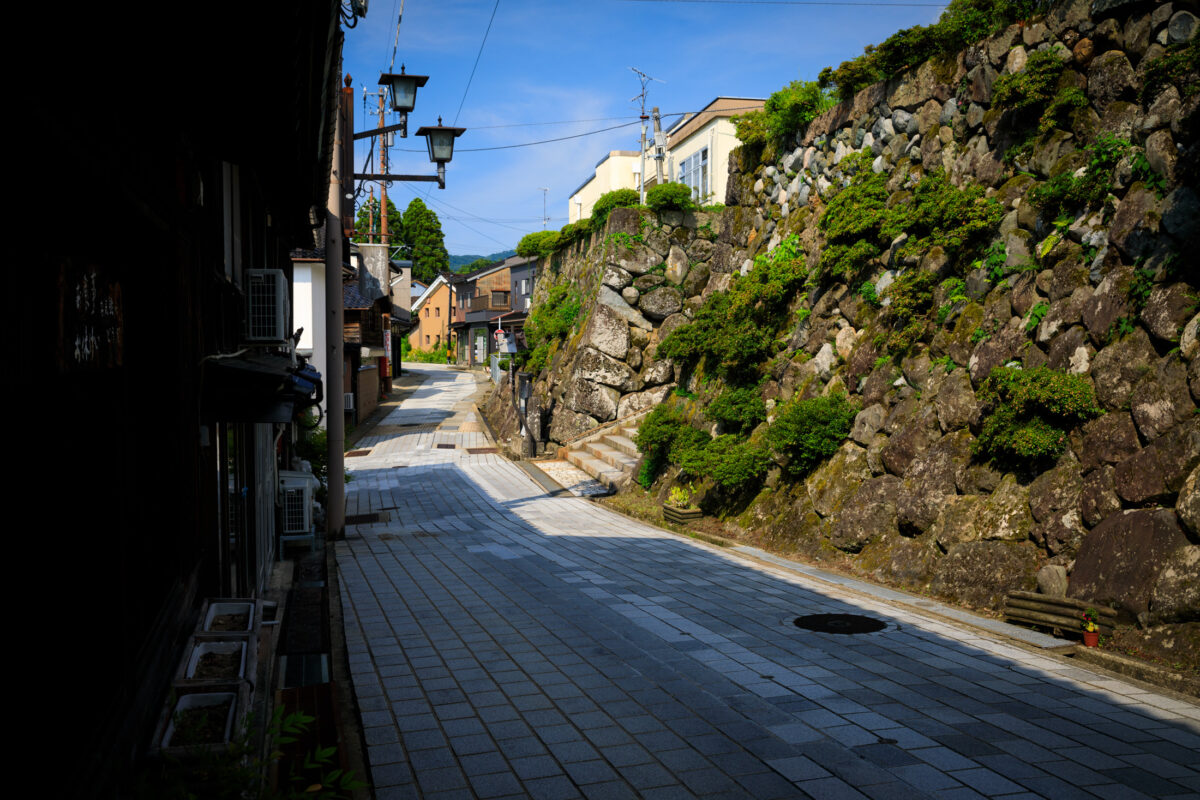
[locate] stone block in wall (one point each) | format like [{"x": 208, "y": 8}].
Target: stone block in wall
[
  {"x": 1187, "y": 507},
  {"x": 1135, "y": 225},
  {"x": 981, "y": 574},
  {"x": 1117, "y": 368},
  {"x": 1120, "y": 561},
  {"x": 591, "y": 399},
  {"x": 868, "y": 514},
  {"x": 1098, "y": 499},
  {"x": 1159, "y": 470},
  {"x": 1181, "y": 217},
  {"x": 641, "y": 401},
  {"x": 1108, "y": 303},
  {"x": 596, "y": 367},
  {"x": 565, "y": 423},
  {"x": 929, "y": 480},
  {"x": 916, "y": 434},
  {"x": 1111, "y": 77},
  {"x": 1161, "y": 399},
  {"x": 607, "y": 331},
  {"x": 834, "y": 481}
]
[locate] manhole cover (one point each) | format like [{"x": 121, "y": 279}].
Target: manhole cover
[
  {"x": 839, "y": 623},
  {"x": 445, "y": 447},
  {"x": 353, "y": 453}
]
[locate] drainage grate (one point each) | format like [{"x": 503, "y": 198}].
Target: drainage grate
[
  {"x": 839, "y": 623},
  {"x": 445, "y": 447},
  {"x": 353, "y": 453},
  {"x": 480, "y": 451}
]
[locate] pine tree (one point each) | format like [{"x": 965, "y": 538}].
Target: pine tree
[
  {"x": 427, "y": 246},
  {"x": 362, "y": 222}
]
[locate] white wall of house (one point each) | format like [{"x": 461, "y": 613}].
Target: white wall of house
[
  {"x": 617, "y": 170},
  {"x": 718, "y": 137},
  {"x": 310, "y": 312}
]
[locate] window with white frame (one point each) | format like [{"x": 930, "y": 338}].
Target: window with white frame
[{"x": 693, "y": 172}]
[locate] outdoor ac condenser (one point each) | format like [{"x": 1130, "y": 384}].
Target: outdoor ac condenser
[
  {"x": 296, "y": 493},
  {"x": 266, "y": 306}
]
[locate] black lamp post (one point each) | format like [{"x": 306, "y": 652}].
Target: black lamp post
[
  {"x": 440, "y": 141},
  {"x": 439, "y": 138}
]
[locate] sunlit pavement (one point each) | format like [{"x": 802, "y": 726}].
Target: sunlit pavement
[{"x": 506, "y": 643}]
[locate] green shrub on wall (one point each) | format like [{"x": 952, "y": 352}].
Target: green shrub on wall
[
  {"x": 963, "y": 22},
  {"x": 859, "y": 225},
  {"x": 732, "y": 462},
  {"x": 670, "y": 197},
  {"x": 548, "y": 322},
  {"x": 1029, "y": 412},
  {"x": 618, "y": 198},
  {"x": 734, "y": 331},
  {"x": 785, "y": 114},
  {"x": 538, "y": 243},
  {"x": 738, "y": 409},
  {"x": 809, "y": 431}
]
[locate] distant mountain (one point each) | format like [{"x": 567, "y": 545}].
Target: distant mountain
[{"x": 456, "y": 262}]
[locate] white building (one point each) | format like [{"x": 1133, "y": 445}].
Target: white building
[{"x": 698, "y": 145}]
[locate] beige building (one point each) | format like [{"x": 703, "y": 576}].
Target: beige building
[
  {"x": 696, "y": 153},
  {"x": 617, "y": 170},
  {"x": 432, "y": 314}
]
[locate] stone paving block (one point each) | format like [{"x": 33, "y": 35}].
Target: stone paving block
[
  {"x": 831, "y": 789},
  {"x": 502, "y": 618}
]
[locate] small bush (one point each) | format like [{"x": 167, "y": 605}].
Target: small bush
[
  {"x": 618, "y": 198},
  {"x": 670, "y": 197},
  {"x": 739, "y": 409},
  {"x": 665, "y": 436},
  {"x": 732, "y": 462},
  {"x": 785, "y": 114},
  {"x": 538, "y": 243},
  {"x": 809, "y": 431},
  {"x": 1029, "y": 413},
  {"x": 1065, "y": 194}
]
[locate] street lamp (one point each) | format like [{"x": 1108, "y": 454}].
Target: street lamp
[
  {"x": 404, "y": 93},
  {"x": 439, "y": 138},
  {"x": 440, "y": 141}
]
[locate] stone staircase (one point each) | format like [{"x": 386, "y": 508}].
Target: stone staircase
[{"x": 610, "y": 458}]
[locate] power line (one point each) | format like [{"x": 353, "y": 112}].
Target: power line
[{"x": 477, "y": 55}]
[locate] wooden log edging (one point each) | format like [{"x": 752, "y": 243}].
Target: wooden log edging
[{"x": 1064, "y": 613}]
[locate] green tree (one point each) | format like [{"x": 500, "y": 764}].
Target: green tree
[
  {"x": 427, "y": 246},
  {"x": 362, "y": 223}
]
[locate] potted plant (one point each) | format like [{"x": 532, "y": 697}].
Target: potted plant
[
  {"x": 679, "y": 508},
  {"x": 1091, "y": 627}
]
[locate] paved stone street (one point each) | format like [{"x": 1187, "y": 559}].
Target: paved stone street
[{"x": 507, "y": 643}]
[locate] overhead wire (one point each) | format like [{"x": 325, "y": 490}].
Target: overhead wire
[{"x": 470, "y": 78}]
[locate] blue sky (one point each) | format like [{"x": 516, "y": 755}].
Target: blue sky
[{"x": 564, "y": 61}]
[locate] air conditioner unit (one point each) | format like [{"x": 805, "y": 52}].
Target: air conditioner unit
[
  {"x": 296, "y": 493},
  {"x": 266, "y": 306}
]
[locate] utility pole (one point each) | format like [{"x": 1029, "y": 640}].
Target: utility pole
[
  {"x": 659, "y": 144},
  {"x": 383, "y": 148},
  {"x": 644, "y": 78},
  {"x": 371, "y": 217},
  {"x": 335, "y": 510},
  {"x": 545, "y": 219}
]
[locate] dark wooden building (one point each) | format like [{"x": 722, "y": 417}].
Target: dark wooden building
[{"x": 168, "y": 162}]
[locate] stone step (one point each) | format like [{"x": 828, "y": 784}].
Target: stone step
[
  {"x": 611, "y": 455},
  {"x": 600, "y": 470},
  {"x": 622, "y": 442}
]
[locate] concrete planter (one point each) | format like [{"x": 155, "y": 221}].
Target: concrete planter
[{"x": 681, "y": 516}]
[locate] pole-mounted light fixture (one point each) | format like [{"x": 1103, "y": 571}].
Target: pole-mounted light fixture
[{"x": 438, "y": 138}]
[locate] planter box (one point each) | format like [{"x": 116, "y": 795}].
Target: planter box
[
  {"x": 201, "y": 720},
  {"x": 229, "y": 615},
  {"x": 203, "y": 648},
  {"x": 681, "y": 516}
]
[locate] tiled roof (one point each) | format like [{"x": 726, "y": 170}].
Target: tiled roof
[{"x": 352, "y": 298}]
